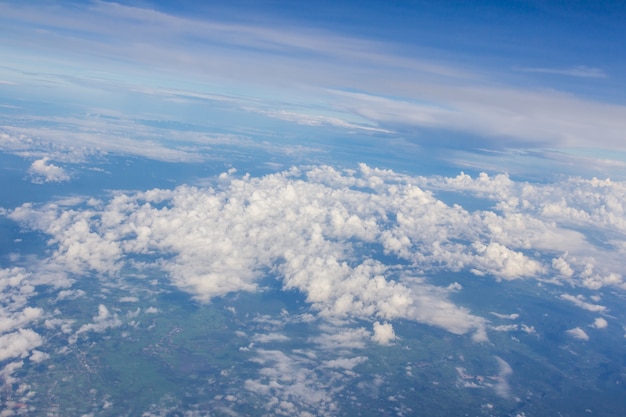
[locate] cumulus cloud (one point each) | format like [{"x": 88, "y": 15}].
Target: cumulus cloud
[
  {"x": 383, "y": 333},
  {"x": 600, "y": 323},
  {"x": 307, "y": 227},
  {"x": 43, "y": 171},
  {"x": 17, "y": 339},
  {"x": 102, "y": 321},
  {"x": 578, "y": 333},
  {"x": 18, "y": 343}
]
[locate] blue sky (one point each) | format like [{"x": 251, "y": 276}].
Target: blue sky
[
  {"x": 378, "y": 169},
  {"x": 540, "y": 78}
]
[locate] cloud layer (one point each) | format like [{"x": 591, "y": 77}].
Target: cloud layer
[
  {"x": 338, "y": 237},
  {"x": 365, "y": 85}
]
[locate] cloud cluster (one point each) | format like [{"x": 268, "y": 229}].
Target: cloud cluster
[
  {"x": 339, "y": 238},
  {"x": 102, "y": 321},
  {"x": 578, "y": 333},
  {"x": 43, "y": 171},
  {"x": 18, "y": 340},
  {"x": 290, "y": 384}
]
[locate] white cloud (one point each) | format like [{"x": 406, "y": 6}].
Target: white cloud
[
  {"x": 578, "y": 333},
  {"x": 383, "y": 333},
  {"x": 600, "y": 323},
  {"x": 42, "y": 171},
  {"x": 505, "y": 328},
  {"x": 341, "y": 338},
  {"x": 269, "y": 338},
  {"x": 579, "y": 301},
  {"x": 101, "y": 322},
  {"x": 581, "y": 71},
  {"x": 290, "y": 385},
  {"x": 18, "y": 343},
  {"x": 501, "y": 386},
  {"x": 307, "y": 227},
  {"x": 345, "y": 363},
  {"x": 512, "y": 316},
  {"x": 38, "y": 356},
  {"x": 427, "y": 93}
]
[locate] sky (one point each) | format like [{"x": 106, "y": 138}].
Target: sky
[
  {"x": 454, "y": 165},
  {"x": 518, "y": 83}
]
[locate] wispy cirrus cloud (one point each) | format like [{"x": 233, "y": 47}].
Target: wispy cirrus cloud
[
  {"x": 581, "y": 71},
  {"x": 306, "y": 66}
]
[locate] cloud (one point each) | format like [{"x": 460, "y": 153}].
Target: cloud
[
  {"x": 341, "y": 338},
  {"x": 101, "y": 322},
  {"x": 38, "y": 356},
  {"x": 383, "y": 333},
  {"x": 505, "y": 327},
  {"x": 290, "y": 385},
  {"x": 581, "y": 71},
  {"x": 18, "y": 344},
  {"x": 383, "y": 85},
  {"x": 600, "y": 323},
  {"x": 501, "y": 386},
  {"x": 578, "y": 333},
  {"x": 345, "y": 363},
  {"x": 269, "y": 338},
  {"x": 579, "y": 301},
  {"x": 512, "y": 316},
  {"x": 42, "y": 171},
  {"x": 307, "y": 227}
]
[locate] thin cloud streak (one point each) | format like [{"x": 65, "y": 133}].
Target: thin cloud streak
[
  {"x": 320, "y": 66},
  {"x": 581, "y": 71}
]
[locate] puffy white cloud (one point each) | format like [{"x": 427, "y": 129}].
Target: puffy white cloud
[
  {"x": 578, "y": 333},
  {"x": 101, "y": 322},
  {"x": 38, "y": 356},
  {"x": 9, "y": 322},
  {"x": 18, "y": 343},
  {"x": 600, "y": 323},
  {"x": 309, "y": 228},
  {"x": 383, "y": 333},
  {"x": 42, "y": 171}
]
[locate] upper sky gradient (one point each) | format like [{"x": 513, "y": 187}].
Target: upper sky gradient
[{"x": 541, "y": 78}]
